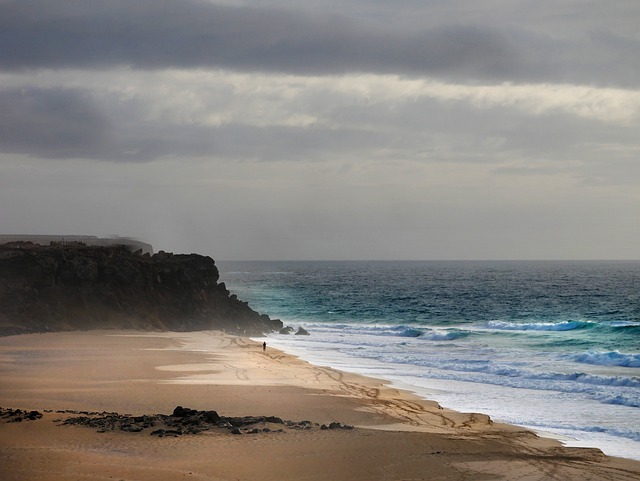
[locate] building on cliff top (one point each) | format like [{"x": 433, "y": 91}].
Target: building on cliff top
[{"x": 89, "y": 240}]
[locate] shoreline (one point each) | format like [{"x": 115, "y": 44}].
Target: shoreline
[
  {"x": 441, "y": 389},
  {"x": 397, "y": 435}
]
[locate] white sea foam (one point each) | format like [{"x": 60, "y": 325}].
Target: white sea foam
[
  {"x": 591, "y": 409},
  {"x": 610, "y": 358},
  {"x": 539, "y": 326}
]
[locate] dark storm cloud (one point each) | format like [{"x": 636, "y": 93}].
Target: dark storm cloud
[
  {"x": 73, "y": 123},
  {"x": 53, "y": 122},
  {"x": 153, "y": 34}
]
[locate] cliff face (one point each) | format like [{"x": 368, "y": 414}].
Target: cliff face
[{"x": 91, "y": 287}]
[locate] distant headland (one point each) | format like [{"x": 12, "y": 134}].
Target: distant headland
[
  {"x": 55, "y": 283},
  {"x": 89, "y": 240}
]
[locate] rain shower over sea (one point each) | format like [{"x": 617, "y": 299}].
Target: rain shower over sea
[{"x": 552, "y": 346}]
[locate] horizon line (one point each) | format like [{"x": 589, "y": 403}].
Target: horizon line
[{"x": 434, "y": 260}]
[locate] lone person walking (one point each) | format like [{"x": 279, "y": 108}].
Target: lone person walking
[{"x": 264, "y": 346}]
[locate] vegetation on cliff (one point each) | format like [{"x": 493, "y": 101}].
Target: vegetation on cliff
[{"x": 79, "y": 287}]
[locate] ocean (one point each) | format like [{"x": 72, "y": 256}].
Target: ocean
[{"x": 553, "y": 346}]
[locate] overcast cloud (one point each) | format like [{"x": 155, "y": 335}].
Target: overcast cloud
[{"x": 329, "y": 130}]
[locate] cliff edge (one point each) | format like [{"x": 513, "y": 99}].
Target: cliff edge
[{"x": 79, "y": 287}]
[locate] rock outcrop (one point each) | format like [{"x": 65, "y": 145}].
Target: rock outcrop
[
  {"x": 53, "y": 288},
  {"x": 190, "y": 421}
]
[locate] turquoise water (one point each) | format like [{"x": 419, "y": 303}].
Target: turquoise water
[{"x": 554, "y": 346}]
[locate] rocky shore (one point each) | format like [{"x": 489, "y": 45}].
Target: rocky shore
[
  {"x": 81, "y": 287},
  {"x": 181, "y": 421}
]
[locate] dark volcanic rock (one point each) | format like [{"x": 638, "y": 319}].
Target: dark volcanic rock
[
  {"x": 52, "y": 288},
  {"x": 181, "y": 412},
  {"x": 187, "y": 421},
  {"x": 336, "y": 425},
  {"x": 19, "y": 415},
  {"x": 302, "y": 332}
]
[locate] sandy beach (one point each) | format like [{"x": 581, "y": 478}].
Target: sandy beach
[{"x": 397, "y": 436}]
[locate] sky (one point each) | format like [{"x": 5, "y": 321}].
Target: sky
[{"x": 325, "y": 129}]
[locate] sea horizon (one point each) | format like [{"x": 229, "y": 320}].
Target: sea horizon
[{"x": 433, "y": 260}]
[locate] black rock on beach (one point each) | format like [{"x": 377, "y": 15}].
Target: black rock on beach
[{"x": 190, "y": 421}]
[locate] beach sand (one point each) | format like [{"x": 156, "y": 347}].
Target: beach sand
[{"x": 397, "y": 435}]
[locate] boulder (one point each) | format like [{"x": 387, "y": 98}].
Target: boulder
[
  {"x": 211, "y": 417},
  {"x": 181, "y": 412}
]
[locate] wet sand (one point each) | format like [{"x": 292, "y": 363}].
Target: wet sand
[{"x": 398, "y": 436}]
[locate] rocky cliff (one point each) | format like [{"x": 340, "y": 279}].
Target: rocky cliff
[{"x": 52, "y": 288}]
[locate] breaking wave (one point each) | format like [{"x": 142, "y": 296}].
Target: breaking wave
[
  {"x": 611, "y": 358},
  {"x": 539, "y": 326}
]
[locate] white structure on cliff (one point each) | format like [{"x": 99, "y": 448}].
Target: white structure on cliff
[{"x": 89, "y": 240}]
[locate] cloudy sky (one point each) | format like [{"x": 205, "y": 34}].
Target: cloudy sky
[{"x": 325, "y": 129}]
